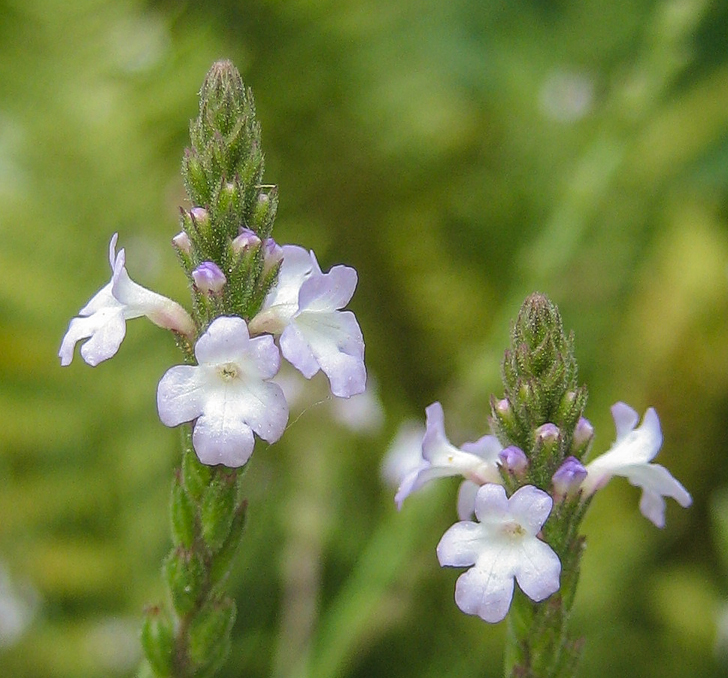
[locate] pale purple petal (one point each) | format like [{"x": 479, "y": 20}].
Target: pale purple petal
[
  {"x": 487, "y": 594},
  {"x": 326, "y": 292},
  {"x": 652, "y": 507},
  {"x": 106, "y": 329},
  {"x": 461, "y": 545},
  {"x": 491, "y": 503},
  {"x": 530, "y": 507},
  {"x": 488, "y": 448},
  {"x": 466, "y": 499},
  {"x": 181, "y": 394},
  {"x": 625, "y": 418},
  {"x": 265, "y": 355},
  {"x": 225, "y": 340},
  {"x": 539, "y": 570},
  {"x": 220, "y": 439},
  {"x": 297, "y": 351},
  {"x": 336, "y": 342}
]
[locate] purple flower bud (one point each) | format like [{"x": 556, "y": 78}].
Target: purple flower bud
[
  {"x": 182, "y": 242},
  {"x": 513, "y": 459},
  {"x": 548, "y": 434},
  {"x": 583, "y": 433},
  {"x": 503, "y": 407},
  {"x": 568, "y": 478},
  {"x": 245, "y": 240},
  {"x": 272, "y": 254},
  {"x": 209, "y": 278},
  {"x": 199, "y": 214}
]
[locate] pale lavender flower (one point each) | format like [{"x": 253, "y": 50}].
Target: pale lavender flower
[
  {"x": 304, "y": 308},
  {"x": 476, "y": 462},
  {"x": 103, "y": 320},
  {"x": 630, "y": 457},
  {"x": 501, "y": 547},
  {"x": 208, "y": 277},
  {"x": 227, "y": 394}
]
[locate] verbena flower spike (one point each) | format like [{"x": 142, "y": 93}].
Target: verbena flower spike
[
  {"x": 529, "y": 487},
  {"x": 247, "y": 291}
]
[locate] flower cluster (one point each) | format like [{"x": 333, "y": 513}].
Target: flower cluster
[
  {"x": 504, "y": 543},
  {"x": 528, "y": 485},
  {"x": 229, "y": 394}
]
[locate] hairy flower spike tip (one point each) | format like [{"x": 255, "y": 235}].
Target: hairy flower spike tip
[
  {"x": 227, "y": 394},
  {"x": 630, "y": 457},
  {"x": 501, "y": 547},
  {"x": 103, "y": 320}
]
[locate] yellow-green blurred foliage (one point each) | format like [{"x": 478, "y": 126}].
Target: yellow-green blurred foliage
[{"x": 459, "y": 154}]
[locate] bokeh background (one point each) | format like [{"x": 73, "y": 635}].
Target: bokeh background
[{"x": 460, "y": 154}]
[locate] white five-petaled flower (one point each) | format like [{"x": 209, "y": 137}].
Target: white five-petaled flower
[
  {"x": 227, "y": 393},
  {"x": 103, "y": 320},
  {"x": 630, "y": 457},
  {"x": 477, "y": 462},
  {"x": 304, "y": 307},
  {"x": 502, "y": 547}
]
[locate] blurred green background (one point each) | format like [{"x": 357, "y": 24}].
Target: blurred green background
[{"x": 459, "y": 154}]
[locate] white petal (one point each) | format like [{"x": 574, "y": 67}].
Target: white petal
[
  {"x": 466, "y": 499},
  {"x": 538, "y": 570},
  {"x": 224, "y": 341},
  {"x": 652, "y": 507},
  {"x": 530, "y": 507},
  {"x": 297, "y": 351},
  {"x": 181, "y": 394},
  {"x": 625, "y": 418},
  {"x": 335, "y": 341},
  {"x": 491, "y": 504},
  {"x": 461, "y": 544},
  {"x": 328, "y": 291},
  {"x": 222, "y": 440},
  {"x": 487, "y": 594},
  {"x": 106, "y": 329}
]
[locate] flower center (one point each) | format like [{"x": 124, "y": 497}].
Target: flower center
[
  {"x": 513, "y": 529},
  {"x": 228, "y": 371}
]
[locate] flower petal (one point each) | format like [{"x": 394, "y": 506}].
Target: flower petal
[
  {"x": 539, "y": 570},
  {"x": 461, "y": 544},
  {"x": 328, "y": 291},
  {"x": 218, "y": 439},
  {"x": 224, "y": 341},
  {"x": 530, "y": 507},
  {"x": 487, "y": 594},
  {"x": 181, "y": 395},
  {"x": 625, "y": 418}
]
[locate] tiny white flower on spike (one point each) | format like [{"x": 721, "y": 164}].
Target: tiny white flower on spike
[
  {"x": 630, "y": 457},
  {"x": 228, "y": 393},
  {"x": 304, "y": 307},
  {"x": 103, "y": 320},
  {"x": 476, "y": 462},
  {"x": 502, "y": 547}
]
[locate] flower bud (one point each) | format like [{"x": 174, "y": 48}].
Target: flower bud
[
  {"x": 568, "y": 478},
  {"x": 208, "y": 278},
  {"x": 182, "y": 242},
  {"x": 245, "y": 240},
  {"x": 513, "y": 459},
  {"x": 272, "y": 254},
  {"x": 583, "y": 435},
  {"x": 548, "y": 434}
]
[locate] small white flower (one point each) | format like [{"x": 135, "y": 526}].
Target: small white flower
[
  {"x": 502, "y": 547},
  {"x": 477, "y": 462},
  {"x": 304, "y": 307},
  {"x": 103, "y": 320},
  {"x": 227, "y": 393},
  {"x": 630, "y": 457}
]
